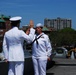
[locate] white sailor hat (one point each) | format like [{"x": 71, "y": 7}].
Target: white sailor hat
[
  {"x": 17, "y": 18},
  {"x": 39, "y": 25}
]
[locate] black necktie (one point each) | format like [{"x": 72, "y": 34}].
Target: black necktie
[{"x": 36, "y": 41}]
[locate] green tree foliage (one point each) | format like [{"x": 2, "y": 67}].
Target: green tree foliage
[
  {"x": 66, "y": 36},
  {"x": 67, "y": 30}
]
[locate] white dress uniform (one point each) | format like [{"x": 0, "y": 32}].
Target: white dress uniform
[
  {"x": 13, "y": 49},
  {"x": 40, "y": 53}
]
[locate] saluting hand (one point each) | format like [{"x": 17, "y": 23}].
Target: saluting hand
[{"x": 31, "y": 24}]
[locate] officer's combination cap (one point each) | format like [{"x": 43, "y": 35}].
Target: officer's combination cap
[{"x": 17, "y": 18}]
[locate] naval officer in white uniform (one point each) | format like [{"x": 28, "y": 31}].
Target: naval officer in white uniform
[
  {"x": 41, "y": 51},
  {"x": 13, "y": 46}
]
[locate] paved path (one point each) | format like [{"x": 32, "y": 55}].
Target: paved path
[
  {"x": 65, "y": 61},
  {"x": 63, "y": 67}
]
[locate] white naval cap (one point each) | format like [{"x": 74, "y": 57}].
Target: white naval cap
[
  {"x": 39, "y": 25},
  {"x": 15, "y": 18}
]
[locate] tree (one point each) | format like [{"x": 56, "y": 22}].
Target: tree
[{"x": 66, "y": 36}]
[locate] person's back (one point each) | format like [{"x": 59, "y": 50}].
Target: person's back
[{"x": 15, "y": 44}]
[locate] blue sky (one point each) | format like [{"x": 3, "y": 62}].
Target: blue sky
[{"x": 38, "y": 10}]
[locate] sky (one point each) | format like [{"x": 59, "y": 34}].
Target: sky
[{"x": 38, "y": 10}]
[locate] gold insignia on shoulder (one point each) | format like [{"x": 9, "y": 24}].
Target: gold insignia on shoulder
[{"x": 42, "y": 37}]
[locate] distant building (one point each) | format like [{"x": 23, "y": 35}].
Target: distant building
[
  {"x": 4, "y": 26},
  {"x": 57, "y": 24}
]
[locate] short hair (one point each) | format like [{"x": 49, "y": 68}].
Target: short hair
[{"x": 15, "y": 23}]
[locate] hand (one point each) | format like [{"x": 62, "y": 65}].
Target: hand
[
  {"x": 28, "y": 31},
  {"x": 31, "y": 24},
  {"x": 48, "y": 59},
  {"x": 5, "y": 60}
]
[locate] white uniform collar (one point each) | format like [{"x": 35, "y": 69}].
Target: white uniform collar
[{"x": 15, "y": 28}]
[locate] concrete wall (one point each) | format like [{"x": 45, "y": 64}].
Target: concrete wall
[{"x": 28, "y": 67}]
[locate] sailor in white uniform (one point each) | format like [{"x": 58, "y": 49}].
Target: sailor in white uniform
[
  {"x": 41, "y": 51},
  {"x": 13, "y": 46}
]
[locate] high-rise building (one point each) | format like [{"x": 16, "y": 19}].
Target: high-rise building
[{"x": 58, "y": 23}]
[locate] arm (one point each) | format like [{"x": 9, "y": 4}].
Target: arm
[
  {"x": 28, "y": 37},
  {"x": 5, "y": 50},
  {"x": 32, "y": 31},
  {"x": 48, "y": 46}
]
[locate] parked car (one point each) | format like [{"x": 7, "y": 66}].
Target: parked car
[{"x": 61, "y": 52}]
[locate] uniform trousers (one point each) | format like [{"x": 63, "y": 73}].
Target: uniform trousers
[
  {"x": 39, "y": 66},
  {"x": 16, "y": 68}
]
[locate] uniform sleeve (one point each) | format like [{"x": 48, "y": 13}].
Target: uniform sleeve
[
  {"x": 5, "y": 49},
  {"x": 48, "y": 46},
  {"x": 28, "y": 38}
]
